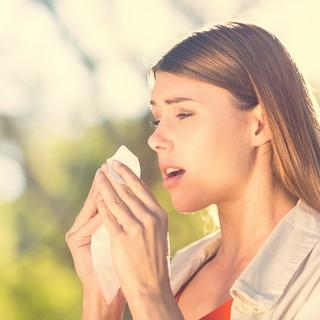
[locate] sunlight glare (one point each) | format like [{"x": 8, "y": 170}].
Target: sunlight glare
[
  {"x": 297, "y": 24},
  {"x": 149, "y": 26},
  {"x": 124, "y": 92},
  {"x": 12, "y": 179}
]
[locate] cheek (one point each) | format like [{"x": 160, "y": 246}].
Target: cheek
[
  {"x": 213, "y": 146},
  {"x": 220, "y": 167},
  {"x": 217, "y": 157}
]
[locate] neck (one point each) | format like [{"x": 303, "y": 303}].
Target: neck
[{"x": 248, "y": 221}]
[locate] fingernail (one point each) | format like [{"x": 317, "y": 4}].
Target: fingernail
[
  {"x": 116, "y": 163},
  {"x": 100, "y": 197},
  {"x": 104, "y": 167},
  {"x": 101, "y": 175}
]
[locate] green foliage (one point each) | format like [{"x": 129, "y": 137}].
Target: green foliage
[
  {"x": 37, "y": 277},
  {"x": 34, "y": 283}
]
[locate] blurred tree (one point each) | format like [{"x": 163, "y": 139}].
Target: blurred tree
[
  {"x": 37, "y": 270},
  {"x": 37, "y": 278}
]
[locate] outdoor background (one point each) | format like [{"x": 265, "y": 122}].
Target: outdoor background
[{"x": 73, "y": 88}]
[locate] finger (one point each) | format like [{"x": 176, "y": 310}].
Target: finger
[
  {"x": 93, "y": 186},
  {"x": 134, "y": 204},
  {"x": 85, "y": 230},
  {"x": 88, "y": 210},
  {"x": 113, "y": 202},
  {"x": 136, "y": 185},
  {"x": 148, "y": 218},
  {"x": 109, "y": 220}
]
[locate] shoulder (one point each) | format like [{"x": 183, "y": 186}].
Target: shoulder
[
  {"x": 286, "y": 270},
  {"x": 188, "y": 260}
]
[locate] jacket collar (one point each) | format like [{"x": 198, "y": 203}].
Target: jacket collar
[
  {"x": 264, "y": 280},
  {"x": 188, "y": 260},
  {"x": 266, "y": 277}
]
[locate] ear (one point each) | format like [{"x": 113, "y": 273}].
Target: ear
[{"x": 260, "y": 127}]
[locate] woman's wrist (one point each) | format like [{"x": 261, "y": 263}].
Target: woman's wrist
[
  {"x": 95, "y": 307},
  {"x": 156, "y": 307}
]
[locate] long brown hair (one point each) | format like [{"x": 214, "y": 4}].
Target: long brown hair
[{"x": 254, "y": 67}]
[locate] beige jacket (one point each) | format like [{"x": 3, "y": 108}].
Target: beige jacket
[{"x": 282, "y": 282}]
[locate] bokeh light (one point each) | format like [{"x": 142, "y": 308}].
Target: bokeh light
[
  {"x": 73, "y": 88},
  {"x": 12, "y": 180}
]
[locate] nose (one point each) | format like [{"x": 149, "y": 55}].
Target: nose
[{"x": 160, "y": 140}]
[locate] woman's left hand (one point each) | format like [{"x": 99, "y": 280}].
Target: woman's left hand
[{"x": 138, "y": 229}]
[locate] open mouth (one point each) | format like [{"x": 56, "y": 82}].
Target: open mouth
[
  {"x": 172, "y": 176},
  {"x": 174, "y": 172},
  {"x": 171, "y": 173}
]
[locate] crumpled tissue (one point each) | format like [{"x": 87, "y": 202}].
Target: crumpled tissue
[{"x": 100, "y": 240}]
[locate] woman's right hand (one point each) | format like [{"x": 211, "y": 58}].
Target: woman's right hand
[{"x": 79, "y": 242}]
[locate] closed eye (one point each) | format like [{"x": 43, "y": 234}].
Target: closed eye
[
  {"x": 154, "y": 124},
  {"x": 182, "y": 116}
]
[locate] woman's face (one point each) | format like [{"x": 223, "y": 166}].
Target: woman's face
[{"x": 203, "y": 142}]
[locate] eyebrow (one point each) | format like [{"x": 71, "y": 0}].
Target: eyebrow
[{"x": 172, "y": 101}]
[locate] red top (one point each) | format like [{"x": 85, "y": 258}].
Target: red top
[{"x": 221, "y": 313}]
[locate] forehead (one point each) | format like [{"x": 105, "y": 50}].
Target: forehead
[
  {"x": 167, "y": 86},
  {"x": 165, "y": 80}
]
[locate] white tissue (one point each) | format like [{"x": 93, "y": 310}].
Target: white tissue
[
  {"x": 125, "y": 156},
  {"x": 103, "y": 264},
  {"x": 100, "y": 241}
]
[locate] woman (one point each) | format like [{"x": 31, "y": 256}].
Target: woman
[{"x": 237, "y": 127}]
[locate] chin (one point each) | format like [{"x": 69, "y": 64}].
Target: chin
[{"x": 187, "y": 205}]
